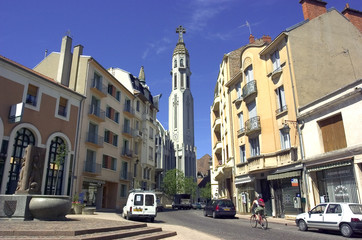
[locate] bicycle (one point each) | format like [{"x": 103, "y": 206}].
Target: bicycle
[{"x": 262, "y": 221}]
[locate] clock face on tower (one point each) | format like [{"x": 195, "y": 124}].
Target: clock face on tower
[{"x": 175, "y": 136}]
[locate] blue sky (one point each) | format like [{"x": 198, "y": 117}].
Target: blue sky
[{"x": 131, "y": 34}]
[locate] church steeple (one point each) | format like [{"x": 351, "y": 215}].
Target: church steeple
[{"x": 181, "y": 108}]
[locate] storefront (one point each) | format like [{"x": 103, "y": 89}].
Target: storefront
[
  {"x": 245, "y": 193},
  {"x": 336, "y": 182},
  {"x": 286, "y": 191},
  {"x": 92, "y": 192}
]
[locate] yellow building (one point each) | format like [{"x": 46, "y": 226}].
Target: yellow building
[{"x": 256, "y": 139}]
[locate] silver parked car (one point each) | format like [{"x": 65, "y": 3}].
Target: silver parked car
[{"x": 344, "y": 217}]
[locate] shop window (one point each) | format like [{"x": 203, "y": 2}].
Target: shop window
[{"x": 333, "y": 134}]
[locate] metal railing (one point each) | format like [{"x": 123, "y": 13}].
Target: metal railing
[{"x": 249, "y": 89}]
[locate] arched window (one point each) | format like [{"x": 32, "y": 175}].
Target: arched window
[
  {"x": 55, "y": 167},
  {"x": 175, "y": 63},
  {"x": 181, "y": 62},
  {"x": 23, "y": 138}
]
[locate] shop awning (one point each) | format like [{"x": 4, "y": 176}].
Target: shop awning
[
  {"x": 329, "y": 166},
  {"x": 284, "y": 175},
  {"x": 244, "y": 179}
]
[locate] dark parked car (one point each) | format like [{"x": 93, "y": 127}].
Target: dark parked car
[{"x": 220, "y": 208}]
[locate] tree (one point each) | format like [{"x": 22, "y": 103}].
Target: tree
[
  {"x": 190, "y": 186},
  {"x": 205, "y": 192},
  {"x": 173, "y": 182}
]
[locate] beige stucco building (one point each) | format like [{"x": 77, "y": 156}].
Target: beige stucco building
[
  {"x": 36, "y": 110},
  {"x": 256, "y": 138},
  {"x": 111, "y": 159}
]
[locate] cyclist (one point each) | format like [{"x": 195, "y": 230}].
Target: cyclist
[{"x": 258, "y": 207}]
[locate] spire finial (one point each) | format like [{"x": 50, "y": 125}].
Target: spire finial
[{"x": 180, "y": 30}]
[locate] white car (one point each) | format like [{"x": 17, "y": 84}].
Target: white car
[
  {"x": 344, "y": 217},
  {"x": 140, "y": 204}
]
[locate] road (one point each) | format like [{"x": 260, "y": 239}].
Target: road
[{"x": 236, "y": 228}]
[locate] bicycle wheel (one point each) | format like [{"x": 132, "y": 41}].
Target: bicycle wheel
[
  {"x": 264, "y": 223},
  {"x": 253, "y": 221}
]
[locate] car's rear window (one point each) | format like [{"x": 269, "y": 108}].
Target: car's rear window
[
  {"x": 226, "y": 204},
  {"x": 356, "y": 208}
]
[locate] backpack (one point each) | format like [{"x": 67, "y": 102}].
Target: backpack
[{"x": 261, "y": 202}]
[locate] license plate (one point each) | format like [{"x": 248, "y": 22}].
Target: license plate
[{"x": 226, "y": 209}]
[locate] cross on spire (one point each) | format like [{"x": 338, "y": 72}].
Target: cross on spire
[{"x": 180, "y": 30}]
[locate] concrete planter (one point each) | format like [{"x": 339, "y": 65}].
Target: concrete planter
[{"x": 49, "y": 207}]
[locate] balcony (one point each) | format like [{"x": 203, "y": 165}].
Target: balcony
[
  {"x": 281, "y": 110},
  {"x": 252, "y": 126},
  {"x": 127, "y": 109},
  {"x": 95, "y": 140},
  {"x": 126, "y": 152},
  {"x": 217, "y": 122},
  {"x": 241, "y": 132},
  {"x": 127, "y": 176},
  {"x": 238, "y": 100},
  {"x": 92, "y": 168},
  {"x": 137, "y": 134},
  {"x": 249, "y": 90},
  {"x": 96, "y": 113},
  {"x": 218, "y": 145},
  {"x": 99, "y": 88},
  {"x": 127, "y": 130}
]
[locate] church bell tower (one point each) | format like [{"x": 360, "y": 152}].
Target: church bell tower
[{"x": 181, "y": 109}]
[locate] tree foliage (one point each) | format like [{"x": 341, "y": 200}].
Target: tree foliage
[
  {"x": 175, "y": 182},
  {"x": 205, "y": 192}
]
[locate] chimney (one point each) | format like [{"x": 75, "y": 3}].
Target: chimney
[
  {"x": 313, "y": 8},
  {"x": 266, "y": 39},
  {"x": 141, "y": 75},
  {"x": 65, "y": 60},
  {"x": 354, "y": 16},
  {"x": 77, "y": 52},
  {"x": 251, "y": 39}
]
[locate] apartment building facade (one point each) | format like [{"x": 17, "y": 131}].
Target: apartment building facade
[
  {"x": 275, "y": 79},
  {"x": 109, "y": 160},
  {"x": 37, "y": 110}
]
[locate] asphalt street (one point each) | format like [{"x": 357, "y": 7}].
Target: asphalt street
[{"x": 239, "y": 227}]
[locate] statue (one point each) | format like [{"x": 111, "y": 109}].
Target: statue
[{"x": 31, "y": 172}]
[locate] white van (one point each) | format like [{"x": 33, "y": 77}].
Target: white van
[{"x": 140, "y": 204}]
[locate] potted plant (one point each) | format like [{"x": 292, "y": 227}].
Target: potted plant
[{"x": 77, "y": 205}]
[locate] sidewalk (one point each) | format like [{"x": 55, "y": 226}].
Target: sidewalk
[{"x": 182, "y": 232}]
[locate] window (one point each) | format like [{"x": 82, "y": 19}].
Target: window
[
  {"x": 116, "y": 117},
  {"x": 123, "y": 190},
  {"x": 109, "y": 162},
  {"x": 62, "y": 108},
  {"x": 275, "y": 60},
  {"x": 31, "y": 95},
  {"x": 241, "y": 122},
  {"x": 138, "y": 105},
  {"x": 280, "y": 99},
  {"x": 127, "y": 105},
  {"x": 175, "y": 82},
  {"x": 138, "y": 199},
  {"x": 318, "y": 209},
  {"x": 175, "y": 63},
  {"x": 126, "y": 126},
  {"x": 334, "y": 208},
  {"x": 181, "y": 62},
  {"x": 124, "y": 170},
  {"x": 90, "y": 162},
  {"x": 249, "y": 75},
  {"x": 242, "y": 154},
  {"x": 149, "y": 200},
  {"x": 97, "y": 81},
  {"x": 151, "y": 133},
  {"x": 238, "y": 90},
  {"x": 284, "y": 139},
  {"x": 333, "y": 134},
  {"x": 107, "y": 136},
  {"x": 115, "y": 140},
  {"x": 111, "y": 89},
  {"x": 118, "y": 95},
  {"x": 150, "y": 153},
  {"x": 182, "y": 80},
  {"x": 254, "y": 146}
]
